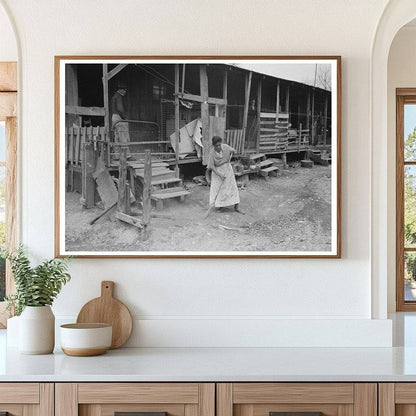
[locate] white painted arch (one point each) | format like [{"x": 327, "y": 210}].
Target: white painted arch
[
  {"x": 396, "y": 14},
  {"x": 9, "y": 45}
]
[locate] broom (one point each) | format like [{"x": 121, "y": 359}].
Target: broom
[{"x": 212, "y": 206}]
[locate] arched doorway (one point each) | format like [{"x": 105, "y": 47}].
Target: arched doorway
[{"x": 396, "y": 14}]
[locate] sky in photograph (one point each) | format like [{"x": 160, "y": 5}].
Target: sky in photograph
[
  {"x": 409, "y": 119},
  {"x": 300, "y": 72}
]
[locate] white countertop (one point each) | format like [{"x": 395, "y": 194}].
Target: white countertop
[{"x": 213, "y": 364}]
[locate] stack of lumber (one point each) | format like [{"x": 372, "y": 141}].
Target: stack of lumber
[{"x": 273, "y": 132}]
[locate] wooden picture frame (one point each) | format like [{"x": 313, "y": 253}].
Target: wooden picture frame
[
  {"x": 404, "y": 96},
  {"x": 8, "y": 115},
  {"x": 134, "y": 134}
]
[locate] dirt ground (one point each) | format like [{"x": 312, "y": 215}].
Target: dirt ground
[{"x": 291, "y": 212}]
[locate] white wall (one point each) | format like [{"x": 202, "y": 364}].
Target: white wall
[
  {"x": 401, "y": 74},
  {"x": 179, "y": 302},
  {"x": 8, "y": 47}
]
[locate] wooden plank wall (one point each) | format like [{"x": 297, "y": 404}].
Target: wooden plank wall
[
  {"x": 76, "y": 138},
  {"x": 273, "y": 132},
  {"x": 235, "y": 139}
]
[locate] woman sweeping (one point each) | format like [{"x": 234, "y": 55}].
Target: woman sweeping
[{"x": 223, "y": 191}]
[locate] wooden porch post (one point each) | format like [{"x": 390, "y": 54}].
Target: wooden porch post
[
  {"x": 71, "y": 85},
  {"x": 223, "y": 112},
  {"x": 246, "y": 104},
  {"x": 313, "y": 118},
  {"x": 259, "y": 90},
  {"x": 87, "y": 199},
  {"x": 308, "y": 114},
  {"x": 122, "y": 177},
  {"x": 325, "y": 119},
  {"x": 183, "y": 78},
  {"x": 106, "y": 100},
  {"x": 177, "y": 128},
  {"x": 106, "y": 112},
  {"x": 287, "y": 100},
  {"x": 203, "y": 81},
  {"x": 277, "y": 100},
  {"x": 147, "y": 202}
]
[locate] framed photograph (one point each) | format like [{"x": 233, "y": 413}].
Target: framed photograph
[{"x": 195, "y": 156}]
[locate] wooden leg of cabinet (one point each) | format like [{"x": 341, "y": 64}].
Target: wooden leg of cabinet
[
  {"x": 207, "y": 399},
  {"x": 47, "y": 399},
  {"x": 386, "y": 399},
  {"x": 365, "y": 399},
  {"x": 224, "y": 399},
  {"x": 66, "y": 400}
]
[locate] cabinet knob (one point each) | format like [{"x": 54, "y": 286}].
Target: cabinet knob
[
  {"x": 139, "y": 414},
  {"x": 296, "y": 414}
]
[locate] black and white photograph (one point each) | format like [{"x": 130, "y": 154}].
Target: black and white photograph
[{"x": 198, "y": 157}]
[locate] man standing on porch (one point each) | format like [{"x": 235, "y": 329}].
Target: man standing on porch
[{"x": 118, "y": 114}]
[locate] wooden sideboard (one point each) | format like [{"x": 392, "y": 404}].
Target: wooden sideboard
[{"x": 208, "y": 399}]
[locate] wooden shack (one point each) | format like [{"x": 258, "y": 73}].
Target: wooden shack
[{"x": 253, "y": 112}]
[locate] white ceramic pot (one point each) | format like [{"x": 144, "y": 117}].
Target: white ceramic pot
[
  {"x": 37, "y": 330},
  {"x": 86, "y": 339}
]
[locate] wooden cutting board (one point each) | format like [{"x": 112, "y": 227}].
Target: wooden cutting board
[{"x": 107, "y": 309}]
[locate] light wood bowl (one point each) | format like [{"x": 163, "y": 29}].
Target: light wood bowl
[{"x": 85, "y": 340}]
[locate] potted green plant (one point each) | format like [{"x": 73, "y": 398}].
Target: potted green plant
[{"x": 36, "y": 289}]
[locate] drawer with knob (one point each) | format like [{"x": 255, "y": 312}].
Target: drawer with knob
[
  {"x": 296, "y": 399},
  {"x": 135, "y": 399}
]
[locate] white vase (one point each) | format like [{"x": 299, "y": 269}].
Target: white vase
[{"x": 37, "y": 330}]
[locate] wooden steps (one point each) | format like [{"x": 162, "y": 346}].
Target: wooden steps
[
  {"x": 158, "y": 173},
  {"x": 319, "y": 158},
  {"x": 256, "y": 156},
  {"x": 170, "y": 193},
  {"x": 306, "y": 163},
  {"x": 162, "y": 195},
  {"x": 140, "y": 165},
  {"x": 165, "y": 184},
  {"x": 265, "y": 163},
  {"x": 167, "y": 181},
  {"x": 269, "y": 171},
  {"x": 265, "y": 167}
]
